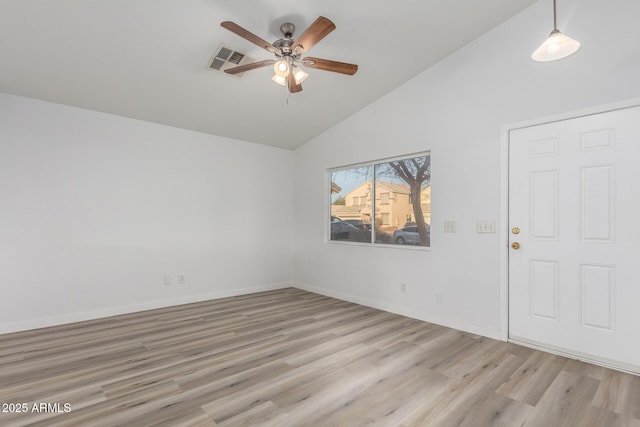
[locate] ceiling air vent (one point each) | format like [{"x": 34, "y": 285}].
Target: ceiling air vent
[{"x": 225, "y": 57}]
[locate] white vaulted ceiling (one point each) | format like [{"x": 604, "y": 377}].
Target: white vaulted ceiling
[{"x": 147, "y": 59}]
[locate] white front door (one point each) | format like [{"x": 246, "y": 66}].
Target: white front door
[{"x": 574, "y": 211}]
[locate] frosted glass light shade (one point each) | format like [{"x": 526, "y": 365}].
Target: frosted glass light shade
[
  {"x": 282, "y": 81},
  {"x": 557, "y": 46},
  {"x": 299, "y": 74},
  {"x": 281, "y": 68}
]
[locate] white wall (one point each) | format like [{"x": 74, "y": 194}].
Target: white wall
[
  {"x": 96, "y": 209},
  {"x": 457, "y": 109}
]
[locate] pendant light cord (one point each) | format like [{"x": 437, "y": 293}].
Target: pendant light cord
[{"x": 555, "y": 22}]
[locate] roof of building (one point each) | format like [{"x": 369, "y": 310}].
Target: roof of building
[{"x": 336, "y": 209}]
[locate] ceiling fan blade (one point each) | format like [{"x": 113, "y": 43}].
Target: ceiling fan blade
[
  {"x": 248, "y": 35},
  {"x": 293, "y": 86},
  {"x": 328, "y": 65},
  {"x": 252, "y": 66},
  {"x": 312, "y": 35}
]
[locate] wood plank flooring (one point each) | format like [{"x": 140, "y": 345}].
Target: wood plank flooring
[{"x": 294, "y": 358}]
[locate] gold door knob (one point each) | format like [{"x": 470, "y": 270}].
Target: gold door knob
[
  {"x": 515, "y": 245},
  {"x": 515, "y": 230}
]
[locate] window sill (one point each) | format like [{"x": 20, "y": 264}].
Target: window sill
[{"x": 380, "y": 245}]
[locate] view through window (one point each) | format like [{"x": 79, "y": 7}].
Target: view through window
[{"x": 386, "y": 202}]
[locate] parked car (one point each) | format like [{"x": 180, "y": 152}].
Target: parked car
[
  {"x": 359, "y": 224},
  {"x": 408, "y": 235},
  {"x": 341, "y": 230}
]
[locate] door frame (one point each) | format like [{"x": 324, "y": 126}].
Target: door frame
[{"x": 503, "y": 221}]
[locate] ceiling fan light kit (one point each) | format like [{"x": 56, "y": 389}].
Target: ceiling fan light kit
[
  {"x": 282, "y": 69},
  {"x": 556, "y": 46},
  {"x": 289, "y": 52}
]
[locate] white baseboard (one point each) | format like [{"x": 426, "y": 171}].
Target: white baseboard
[
  {"x": 44, "y": 322},
  {"x": 403, "y": 311}
]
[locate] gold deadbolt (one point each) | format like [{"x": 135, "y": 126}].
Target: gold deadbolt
[
  {"x": 515, "y": 230},
  {"x": 515, "y": 245}
]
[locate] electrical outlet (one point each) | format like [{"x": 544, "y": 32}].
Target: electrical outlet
[
  {"x": 403, "y": 288},
  {"x": 180, "y": 279},
  {"x": 167, "y": 280}
]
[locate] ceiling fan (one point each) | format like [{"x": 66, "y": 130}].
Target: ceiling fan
[{"x": 288, "y": 53}]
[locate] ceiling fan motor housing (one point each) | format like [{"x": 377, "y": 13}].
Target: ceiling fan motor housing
[
  {"x": 287, "y": 30},
  {"x": 285, "y": 47}
]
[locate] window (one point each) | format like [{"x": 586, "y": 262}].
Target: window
[
  {"x": 385, "y": 218},
  {"x": 361, "y": 199},
  {"x": 349, "y": 193}
]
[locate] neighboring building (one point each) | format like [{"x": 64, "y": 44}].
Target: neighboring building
[
  {"x": 348, "y": 212},
  {"x": 425, "y": 199},
  {"x": 393, "y": 205}
]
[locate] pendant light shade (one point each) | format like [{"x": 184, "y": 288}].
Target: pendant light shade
[{"x": 556, "y": 46}]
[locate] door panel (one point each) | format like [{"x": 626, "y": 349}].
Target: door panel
[{"x": 574, "y": 197}]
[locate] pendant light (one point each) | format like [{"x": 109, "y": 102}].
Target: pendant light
[{"x": 556, "y": 46}]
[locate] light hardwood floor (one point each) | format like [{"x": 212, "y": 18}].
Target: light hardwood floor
[{"x": 293, "y": 358}]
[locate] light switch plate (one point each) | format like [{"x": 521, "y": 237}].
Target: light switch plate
[
  {"x": 486, "y": 227},
  {"x": 450, "y": 226}
]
